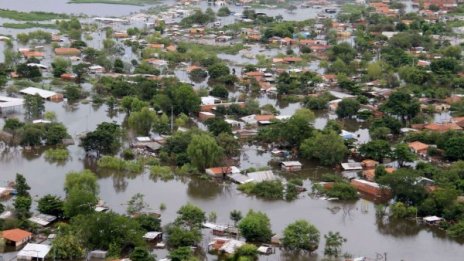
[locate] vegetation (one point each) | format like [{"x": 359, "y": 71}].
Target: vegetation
[
  {"x": 30, "y": 16},
  {"x": 57, "y": 154}
]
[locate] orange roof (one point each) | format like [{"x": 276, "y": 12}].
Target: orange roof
[
  {"x": 30, "y": 54},
  {"x": 263, "y": 117},
  {"x": 220, "y": 170},
  {"x": 418, "y": 146},
  {"x": 67, "y": 51},
  {"x": 442, "y": 127},
  {"x": 193, "y": 68},
  {"x": 171, "y": 48},
  {"x": 368, "y": 163},
  {"x": 156, "y": 46},
  {"x": 16, "y": 234},
  {"x": 390, "y": 170},
  {"x": 369, "y": 174},
  {"x": 254, "y": 73},
  {"x": 120, "y": 35}
]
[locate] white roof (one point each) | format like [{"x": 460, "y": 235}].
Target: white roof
[
  {"x": 209, "y": 100},
  {"x": 340, "y": 95},
  {"x": 142, "y": 139},
  {"x": 37, "y": 65},
  {"x": 152, "y": 235},
  {"x": 41, "y": 121},
  {"x": 34, "y": 91},
  {"x": 6, "y": 102},
  {"x": 42, "y": 219},
  {"x": 260, "y": 176},
  {"x": 263, "y": 249},
  {"x": 34, "y": 251},
  {"x": 231, "y": 245},
  {"x": 432, "y": 219},
  {"x": 291, "y": 163},
  {"x": 352, "y": 166}
]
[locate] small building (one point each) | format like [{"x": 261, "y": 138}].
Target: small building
[
  {"x": 432, "y": 220},
  {"x": 42, "y": 219},
  {"x": 222, "y": 172},
  {"x": 48, "y": 95},
  {"x": 260, "y": 176},
  {"x": 68, "y": 77},
  {"x": 67, "y": 51},
  {"x": 16, "y": 237},
  {"x": 34, "y": 251},
  {"x": 98, "y": 254},
  {"x": 205, "y": 115},
  {"x": 291, "y": 166},
  {"x": 120, "y": 35},
  {"x": 8, "y": 104},
  {"x": 370, "y": 188},
  {"x": 352, "y": 166},
  {"x": 225, "y": 245},
  {"x": 153, "y": 236},
  {"x": 418, "y": 147},
  {"x": 265, "y": 250}
]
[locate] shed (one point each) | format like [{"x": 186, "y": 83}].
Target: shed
[
  {"x": 261, "y": 176},
  {"x": 432, "y": 220},
  {"x": 265, "y": 250},
  {"x": 34, "y": 251},
  {"x": 221, "y": 172},
  {"x": 99, "y": 254},
  {"x": 42, "y": 219},
  {"x": 8, "y": 104},
  {"x": 352, "y": 166},
  {"x": 45, "y": 94},
  {"x": 291, "y": 165},
  {"x": 16, "y": 237},
  {"x": 153, "y": 236},
  {"x": 240, "y": 178}
]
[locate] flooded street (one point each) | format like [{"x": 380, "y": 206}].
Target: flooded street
[{"x": 356, "y": 221}]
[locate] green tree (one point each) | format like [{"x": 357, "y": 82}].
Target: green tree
[
  {"x": 376, "y": 150},
  {"x": 342, "y": 191},
  {"x": 30, "y": 72},
  {"x": 85, "y": 180},
  {"x": 104, "y": 140},
  {"x": 142, "y": 121},
  {"x": 329, "y": 148},
  {"x": 403, "y": 154},
  {"x": 55, "y": 133},
  {"x": 148, "y": 222},
  {"x": 79, "y": 202},
  {"x": 301, "y": 235},
  {"x": 217, "y": 126},
  {"x": 236, "y": 216},
  {"x": 218, "y": 70},
  {"x": 136, "y": 204},
  {"x": 60, "y": 65},
  {"x": 333, "y": 244},
  {"x": 204, "y": 151},
  {"x": 229, "y": 144},
  {"x": 404, "y": 186},
  {"x": 67, "y": 247},
  {"x": 21, "y": 186},
  {"x": 400, "y": 211},
  {"x": 454, "y": 148},
  {"x": 33, "y": 106},
  {"x": 220, "y": 91},
  {"x": 181, "y": 254},
  {"x": 347, "y": 108},
  {"x": 247, "y": 252},
  {"x": 191, "y": 216},
  {"x": 401, "y": 104},
  {"x": 22, "y": 205},
  {"x": 256, "y": 227},
  {"x": 141, "y": 254},
  {"x": 456, "y": 230},
  {"x": 51, "y": 205},
  {"x": 181, "y": 237}
]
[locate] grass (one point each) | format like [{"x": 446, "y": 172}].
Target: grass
[
  {"x": 56, "y": 154},
  {"x": 28, "y": 25},
  {"x": 115, "y": 2},
  {"x": 30, "y": 16},
  {"x": 162, "y": 172},
  {"x": 113, "y": 163}
]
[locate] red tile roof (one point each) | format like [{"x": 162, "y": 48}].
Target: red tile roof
[{"x": 16, "y": 234}]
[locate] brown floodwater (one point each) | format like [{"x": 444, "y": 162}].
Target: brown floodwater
[{"x": 356, "y": 221}]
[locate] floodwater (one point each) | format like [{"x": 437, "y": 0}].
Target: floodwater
[{"x": 367, "y": 236}]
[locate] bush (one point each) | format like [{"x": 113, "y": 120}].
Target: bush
[
  {"x": 163, "y": 172},
  {"x": 342, "y": 191},
  {"x": 56, "y": 154},
  {"x": 113, "y": 163}
]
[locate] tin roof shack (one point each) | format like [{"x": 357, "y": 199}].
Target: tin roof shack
[
  {"x": 153, "y": 236},
  {"x": 370, "y": 188},
  {"x": 48, "y": 95},
  {"x": 432, "y": 220},
  {"x": 146, "y": 144},
  {"x": 42, "y": 219},
  {"x": 16, "y": 237},
  {"x": 222, "y": 172},
  {"x": 34, "y": 251},
  {"x": 291, "y": 166},
  {"x": 98, "y": 254}
]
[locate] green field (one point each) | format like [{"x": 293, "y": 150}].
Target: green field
[
  {"x": 30, "y": 16},
  {"x": 115, "y": 2}
]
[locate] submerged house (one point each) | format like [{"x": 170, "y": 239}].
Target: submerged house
[
  {"x": 45, "y": 94},
  {"x": 291, "y": 166},
  {"x": 16, "y": 237}
]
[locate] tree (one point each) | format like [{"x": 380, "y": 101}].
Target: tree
[
  {"x": 333, "y": 244},
  {"x": 445, "y": 66},
  {"x": 51, "y": 205},
  {"x": 403, "y": 154},
  {"x": 79, "y": 202},
  {"x": 376, "y": 150},
  {"x": 21, "y": 186},
  {"x": 118, "y": 66},
  {"x": 236, "y": 216},
  {"x": 347, "y": 108},
  {"x": 22, "y": 205},
  {"x": 342, "y": 191},
  {"x": 33, "y": 106},
  {"x": 400, "y": 211},
  {"x": 454, "y": 148},
  {"x": 141, "y": 254},
  {"x": 72, "y": 92},
  {"x": 342, "y": 51},
  {"x": 329, "y": 148},
  {"x": 456, "y": 230},
  {"x": 404, "y": 186},
  {"x": 218, "y": 70},
  {"x": 180, "y": 254},
  {"x": 204, "y": 151},
  {"x": 301, "y": 235},
  {"x": 81, "y": 71},
  {"x": 104, "y": 140},
  {"x": 136, "y": 204},
  {"x": 32, "y": 135},
  {"x": 142, "y": 121},
  {"x": 256, "y": 227},
  {"x": 229, "y": 144},
  {"x": 401, "y": 104},
  {"x": 67, "y": 247},
  {"x": 184, "y": 99},
  {"x": 85, "y": 180},
  {"x": 60, "y": 65},
  {"x": 55, "y": 133},
  {"x": 30, "y": 72},
  {"x": 191, "y": 216},
  {"x": 148, "y": 222},
  {"x": 246, "y": 252},
  {"x": 181, "y": 237},
  {"x": 223, "y": 11},
  {"x": 217, "y": 126},
  {"x": 220, "y": 91}
]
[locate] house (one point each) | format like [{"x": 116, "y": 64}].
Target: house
[
  {"x": 370, "y": 188},
  {"x": 418, "y": 147},
  {"x": 153, "y": 236},
  {"x": 48, "y": 95},
  {"x": 221, "y": 172},
  {"x": 442, "y": 127},
  {"x": 95, "y": 69},
  {"x": 68, "y": 77},
  {"x": 196, "y": 31},
  {"x": 369, "y": 164},
  {"x": 67, "y": 51},
  {"x": 225, "y": 245},
  {"x": 31, "y": 251},
  {"x": 260, "y": 176},
  {"x": 258, "y": 119},
  {"x": 352, "y": 166},
  {"x": 42, "y": 219},
  {"x": 32, "y": 54},
  {"x": 8, "y": 104},
  {"x": 291, "y": 166},
  {"x": 265, "y": 250},
  {"x": 432, "y": 220},
  {"x": 120, "y": 35},
  {"x": 16, "y": 237}
]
